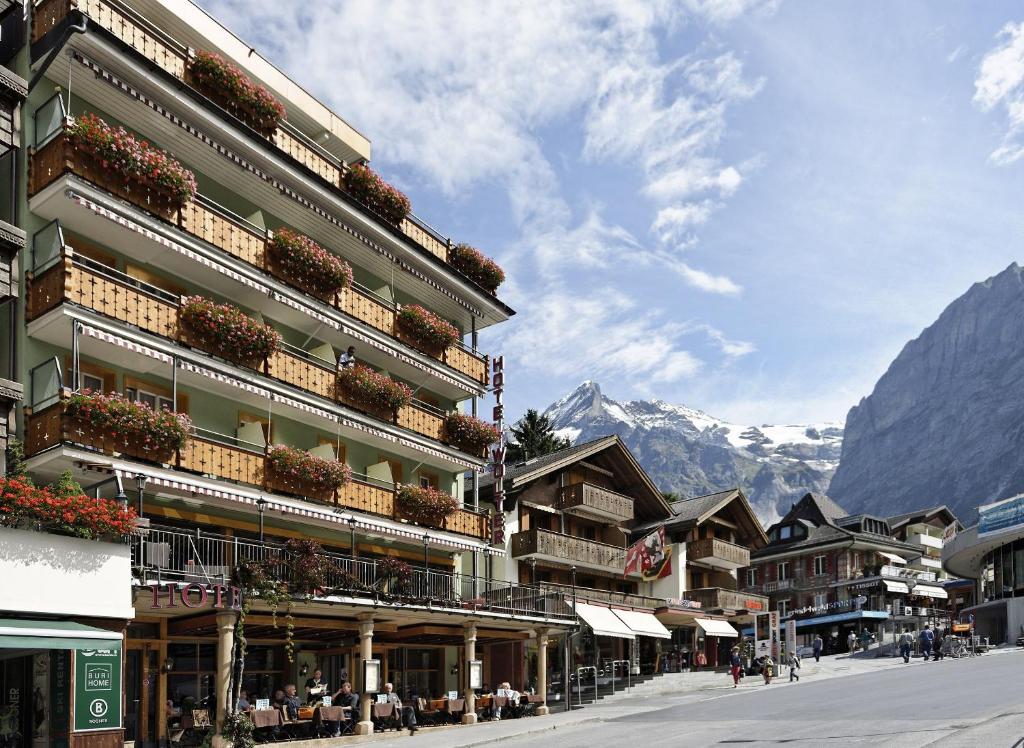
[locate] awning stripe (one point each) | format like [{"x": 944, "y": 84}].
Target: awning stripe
[
  {"x": 892, "y": 586},
  {"x": 928, "y": 590},
  {"x": 603, "y": 621},
  {"x": 392, "y": 351},
  {"x": 717, "y": 628},
  {"x": 643, "y": 624},
  {"x": 224, "y": 378},
  {"x": 106, "y": 337},
  {"x": 299, "y": 405},
  {"x": 322, "y": 318}
]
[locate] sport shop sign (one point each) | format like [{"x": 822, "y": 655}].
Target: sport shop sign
[
  {"x": 195, "y": 595},
  {"x": 498, "y": 452}
]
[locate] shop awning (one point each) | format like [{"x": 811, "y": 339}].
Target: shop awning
[
  {"x": 603, "y": 621},
  {"x": 929, "y": 591},
  {"x": 893, "y": 557},
  {"x": 23, "y": 634},
  {"x": 642, "y": 624},
  {"x": 891, "y": 586},
  {"x": 717, "y": 628}
]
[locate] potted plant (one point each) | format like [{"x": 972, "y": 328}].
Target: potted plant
[
  {"x": 480, "y": 269},
  {"x": 372, "y": 391},
  {"x": 226, "y": 331},
  {"x": 130, "y": 168},
  {"x": 366, "y": 186},
  {"x": 230, "y": 88},
  {"x": 114, "y": 423},
  {"x": 296, "y": 471},
  {"x": 23, "y": 505},
  {"x": 307, "y": 265},
  {"x": 425, "y": 505},
  {"x": 394, "y": 577},
  {"x": 424, "y": 330},
  {"x": 469, "y": 433}
]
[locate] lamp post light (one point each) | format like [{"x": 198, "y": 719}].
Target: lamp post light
[
  {"x": 261, "y": 505},
  {"x": 533, "y": 572},
  {"x": 140, "y": 481},
  {"x": 352, "y": 536},
  {"x": 426, "y": 549}
]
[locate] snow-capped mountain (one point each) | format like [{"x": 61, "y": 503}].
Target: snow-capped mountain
[{"x": 691, "y": 453}]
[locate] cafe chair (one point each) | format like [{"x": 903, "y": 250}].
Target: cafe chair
[{"x": 427, "y": 715}]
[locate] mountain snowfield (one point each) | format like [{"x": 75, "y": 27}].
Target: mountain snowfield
[{"x": 692, "y": 453}]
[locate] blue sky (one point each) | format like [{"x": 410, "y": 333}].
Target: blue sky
[{"x": 748, "y": 207}]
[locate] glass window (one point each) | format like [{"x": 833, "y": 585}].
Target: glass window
[
  {"x": 783, "y": 571},
  {"x": 783, "y": 608},
  {"x": 786, "y": 532},
  {"x": 751, "y": 577},
  {"x": 819, "y": 564},
  {"x": 1018, "y": 568},
  {"x": 184, "y": 656},
  {"x": 90, "y": 382}
]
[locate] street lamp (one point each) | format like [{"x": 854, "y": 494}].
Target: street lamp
[
  {"x": 426, "y": 548},
  {"x": 140, "y": 481},
  {"x": 533, "y": 572},
  {"x": 261, "y": 507},
  {"x": 352, "y": 535}
]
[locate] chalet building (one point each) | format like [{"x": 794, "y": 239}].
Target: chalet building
[{"x": 928, "y": 529}]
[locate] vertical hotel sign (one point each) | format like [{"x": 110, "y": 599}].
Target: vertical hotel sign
[{"x": 498, "y": 452}]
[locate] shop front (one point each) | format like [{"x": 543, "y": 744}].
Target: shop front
[{"x": 697, "y": 640}]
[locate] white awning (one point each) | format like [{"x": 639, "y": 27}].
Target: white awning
[
  {"x": 603, "y": 621},
  {"x": 895, "y": 586},
  {"x": 717, "y": 628},
  {"x": 929, "y": 591},
  {"x": 643, "y": 624},
  {"x": 893, "y": 557}
]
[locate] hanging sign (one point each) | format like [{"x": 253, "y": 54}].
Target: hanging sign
[
  {"x": 498, "y": 452},
  {"x": 97, "y": 702}
]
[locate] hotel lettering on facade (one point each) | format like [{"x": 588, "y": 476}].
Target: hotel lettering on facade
[{"x": 229, "y": 299}]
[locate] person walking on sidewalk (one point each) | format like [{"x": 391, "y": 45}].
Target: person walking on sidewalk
[
  {"x": 794, "y": 665},
  {"x": 735, "y": 666},
  {"x": 906, "y": 644},
  {"x": 851, "y": 642},
  {"x": 927, "y": 637},
  {"x": 937, "y": 646},
  {"x": 817, "y": 646},
  {"x": 767, "y": 667}
]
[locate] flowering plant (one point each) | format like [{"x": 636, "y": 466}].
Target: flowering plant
[
  {"x": 299, "y": 465},
  {"x": 249, "y": 101},
  {"x": 309, "y": 264},
  {"x": 76, "y": 515},
  {"x": 135, "y": 422},
  {"x": 396, "y": 571},
  {"x": 480, "y": 269},
  {"x": 118, "y": 151},
  {"x": 366, "y": 186},
  {"x": 425, "y": 505},
  {"x": 375, "y": 390},
  {"x": 228, "y": 330},
  {"x": 469, "y": 433},
  {"x": 426, "y": 328}
]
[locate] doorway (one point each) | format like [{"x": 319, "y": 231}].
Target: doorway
[{"x": 140, "y": 679}]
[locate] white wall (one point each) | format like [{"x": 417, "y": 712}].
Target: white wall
[
  {"x": 674, "y": 585},
  {"x": 52, "y": 575}
]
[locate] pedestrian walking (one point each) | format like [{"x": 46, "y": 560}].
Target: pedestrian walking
[
  {"x": 794, "y": 665},
  {"x": 735, "y": 666},
  {"x": 927, "y": 637},
  {"x": 817, "y": 646},
  {"x": 851, "y": 642},
  {"x": 906, "y": 643},
  {"x": 767, "y": 667},
  {"x": 937, "y": 646}
]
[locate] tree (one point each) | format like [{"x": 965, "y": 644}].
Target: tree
[{"x": 532, "y": 436}]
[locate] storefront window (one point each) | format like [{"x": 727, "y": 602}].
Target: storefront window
[{"x": 423, "y": 673}]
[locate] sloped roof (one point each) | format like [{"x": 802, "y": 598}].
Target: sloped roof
[
  {"x": 538, "y": 466},
  {"x": 689, "y": 512},
  {"x": 921, "y": 515},
  {"x": 828, "y": 508}
]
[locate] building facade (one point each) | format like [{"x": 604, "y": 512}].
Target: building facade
[{"x": 928, "y": 529}]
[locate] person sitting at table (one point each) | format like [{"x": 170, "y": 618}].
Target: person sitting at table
[
  {"x": 506, "y": 690},
  {"x": 278, "y": 700},
  {"x": 291, "y": 701},
  {"x": 345, "y": 696},
  {"x": 407, "y": 715},
  {"x": 315, "y": 688},
  {"x": 243, "y": 701}
]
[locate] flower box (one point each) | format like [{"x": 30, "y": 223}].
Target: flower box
[
  {"x": 363, "y": 388},
  {"x": 469, "y": 433},
  {"x": 130, "y": 168},
  {"x": 112, "y": 423},
  {"x": 480, "y": 269},
  {"x": 424, "y": 330},
  {"x": 77, "y": 516},
  {"x": 230, "y": 88},
  {"x": 308, "y": 266},
  {"x": 366, "y": 186},
  {"x": 424, "y": 505},
  {"x": 295, "y": 471},
  {"x": 225, "y": 331},
  {"x": 394, "y": 577}
]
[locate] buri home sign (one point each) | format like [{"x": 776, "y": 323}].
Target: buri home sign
[{"x": 97, "y": 689}]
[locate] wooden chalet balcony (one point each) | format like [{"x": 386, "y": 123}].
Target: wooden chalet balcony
[
  {"x": 586, "y": 594},
  {"x": 595, "y": 502},
  {"x": 206, "y": 221},
  {"x": 719, "y": 554},
  {"x": 218, "y": 459},
  {"x": 715, "y": 598},
  {"x": 173, "y": 57},
  {"x": 111, "y": 294},
  {"x": 568, "y": 550}
]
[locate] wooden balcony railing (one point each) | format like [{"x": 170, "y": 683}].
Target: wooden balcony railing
[
  {"x": 586, "y": 594},
  {"x": 217, "y": 459},
  {"x": 590, "y": 500},
  {"x": 568, "y": 549},
  {"x": 105, "y": 291},
  {"x": 173, "y": 57},
  {"x": 204, "y": 220},
  {"x": 717, "y": 552},
  {"x": 716, "y": 597}
]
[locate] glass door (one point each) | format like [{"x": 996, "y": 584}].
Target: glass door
[{"x": 140, "y": 676}]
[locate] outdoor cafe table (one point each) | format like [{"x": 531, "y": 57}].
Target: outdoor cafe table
[
  {"x": 266, "y": 718},
  {"x": 330, "y": 714},
  {"x": 456, "y": 707},
  {"x": 384, "y": 711}
]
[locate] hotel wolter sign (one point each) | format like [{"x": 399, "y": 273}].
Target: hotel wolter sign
[{"x": 498, "y": 453}]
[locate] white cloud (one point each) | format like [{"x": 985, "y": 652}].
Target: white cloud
[
  {"x": 674, "y": 222},
  {"x": 956, "y": 54},
  {"x": 724, "y": 11},
  {"x": 1000, "y": 81}
]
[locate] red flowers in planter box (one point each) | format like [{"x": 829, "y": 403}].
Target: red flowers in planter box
[
  {"x": 299, "y": 465},
  {"x": 250, "y": 102},
  {"x": 76, "y": 515},
  {"x": 366, "y": 186},
  {"x": 120, "y": 152},
  {"x": 135, "y": 422},
  {"x": 375, "y": 390},
  {"x": 425, "y": 505},
  {"x": 394, "y": 576},
  {"x": 469, "y": 433},
  {"x": 228, "y": 330},
  {"x": 426, "y": 328},
  {"x": 480, "y": 269},
  {"x": 309, "y": 265}
]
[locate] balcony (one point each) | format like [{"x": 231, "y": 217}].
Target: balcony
[
  {"x": 208, "y": 455},
  {"x": 594, "y": 502},
  {"x": 164, "y": 553},
  {"x": 901, "y": 572},
  {"x": 545, "y": 545},
  {"x": 716, "y": 598},
  {"x": 206, "y": 221},
  {"x": 586, "y": 594},
  {"x": 928, "y": 541},
  {"x": 778, "y": 585},
  {"x": 718, "y": 554}
]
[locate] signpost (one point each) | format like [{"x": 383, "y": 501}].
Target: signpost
[
  {"x": 97, "y": 702},
  {"x": 790, "y": 637}
]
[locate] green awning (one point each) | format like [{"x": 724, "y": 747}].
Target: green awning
[{"x": 16, "y": 633}]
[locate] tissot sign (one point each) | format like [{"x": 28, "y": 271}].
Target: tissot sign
[{"x": 195, "y": 595}]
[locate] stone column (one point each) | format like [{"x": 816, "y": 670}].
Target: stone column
[
  {"x": 469, "y": 716},
  {"x": 222, "y": 675},
  {"x": 542, "y": 669},
  {"x": 365, "y": 724}
]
